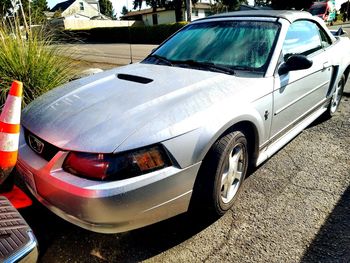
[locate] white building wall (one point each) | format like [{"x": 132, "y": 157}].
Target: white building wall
[
  {"x": 87, "y": 24},
  {"x": 198, "y": 13},
  {"x": 95, "y": 6},
  {"x": 75, "y": 8},
  {"x": 164, "y": 17},
  {"x": 206, "y": 1}
]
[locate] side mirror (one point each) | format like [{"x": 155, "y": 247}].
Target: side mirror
[{"x": 295, "y": 62}]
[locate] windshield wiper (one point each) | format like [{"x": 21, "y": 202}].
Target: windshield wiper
[
  {"x": 206, "y": 65},
  {"x": 163, "y": 59}
]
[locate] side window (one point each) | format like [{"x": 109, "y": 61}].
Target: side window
[
  {"x": 326, "y": 42},
  {"x": 302, "y": 38}
]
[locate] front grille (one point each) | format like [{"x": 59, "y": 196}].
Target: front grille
[
  {"x": 48, "y": 150},
  {"x": 14, "y": 231}
]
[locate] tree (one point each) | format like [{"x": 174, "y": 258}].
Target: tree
[
  {"x": 137, "y": 4},
  {"x": 233, "y": 4},
  {"x": 38, "y": 7},
  {"x": 124, "y": 11},
  {"x": 344, "y": 10},
  {"x": 222, "y": 6},
  {"x": 4, "y": 6},
  {"x": 106, "y": 8},
  {"x": 57, "y": 14}
]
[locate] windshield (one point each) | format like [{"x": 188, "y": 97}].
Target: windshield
[{"x": 242, "y": 45}]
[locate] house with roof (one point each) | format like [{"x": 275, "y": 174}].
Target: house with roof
[
  {"x": 82, "y": 14},
  {"x": 80, "y": 9},
  {"x": 159, "y": 16}
]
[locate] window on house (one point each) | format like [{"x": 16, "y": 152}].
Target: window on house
[
  {"x": 81, "y": 6},
  {"x": 194, "y": 12},
  {"x": 207, "y": 13}
]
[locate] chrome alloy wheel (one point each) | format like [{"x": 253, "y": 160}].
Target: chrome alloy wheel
[
  {"x": 233, "y": 174},
  {"x": 337, "y": 95}
]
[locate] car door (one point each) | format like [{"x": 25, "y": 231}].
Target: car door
[{"x": 298, "y": 93}]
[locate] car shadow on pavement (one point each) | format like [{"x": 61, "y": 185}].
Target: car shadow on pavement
[
  {"x": 323, "y": 118},
  {"x": 332, "y": 242},
  {"x": 60, "y": 241}
]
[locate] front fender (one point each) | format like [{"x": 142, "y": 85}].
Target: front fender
[{"x": 191, "y": 147}]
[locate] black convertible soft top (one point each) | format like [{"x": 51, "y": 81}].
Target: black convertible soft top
[{"x": 286, "y": 14}]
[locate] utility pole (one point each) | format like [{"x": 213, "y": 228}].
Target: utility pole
[{"x": 188, "y": 10}]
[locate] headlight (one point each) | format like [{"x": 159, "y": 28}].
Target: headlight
[{"x": 110, "y": 167}]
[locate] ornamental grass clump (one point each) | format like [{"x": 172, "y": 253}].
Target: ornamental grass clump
[{"x": 30, "y": 57}]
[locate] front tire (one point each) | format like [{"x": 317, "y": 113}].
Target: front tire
[{"x": 223, "y": 172}]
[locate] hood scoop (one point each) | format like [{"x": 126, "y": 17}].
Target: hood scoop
[{"x": 134, "y": 78}]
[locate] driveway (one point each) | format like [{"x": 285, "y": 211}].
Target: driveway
[{"x": 113, "y": 54}]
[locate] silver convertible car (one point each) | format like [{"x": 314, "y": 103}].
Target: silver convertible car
[{"x": 138, "y": 144}]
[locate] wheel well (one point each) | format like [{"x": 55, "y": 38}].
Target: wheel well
[
  {"x": 202, "y": 188},
  {"x": 251, "y": 133}
]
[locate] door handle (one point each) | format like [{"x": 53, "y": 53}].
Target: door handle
[{"x": 326, "y": 65}]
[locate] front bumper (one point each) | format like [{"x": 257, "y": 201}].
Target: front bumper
[{"x": 106, "y": 207}]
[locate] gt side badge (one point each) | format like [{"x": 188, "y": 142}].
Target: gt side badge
[{"x": 266, "y": 114}]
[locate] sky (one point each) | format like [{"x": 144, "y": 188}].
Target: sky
[{"x": 118, "y": 4}]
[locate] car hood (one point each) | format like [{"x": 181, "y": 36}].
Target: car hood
[{"x": 99, "y": 113}]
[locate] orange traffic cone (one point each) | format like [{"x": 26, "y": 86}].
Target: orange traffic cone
[{"x": 9, "y": 130}]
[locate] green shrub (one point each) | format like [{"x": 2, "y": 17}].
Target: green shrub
[
  {"x": 32, "y": 60},
  {"x": 135, "y": 35}
]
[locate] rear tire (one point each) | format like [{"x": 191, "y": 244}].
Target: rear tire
[
  {"x": 222, "y": 173},
  {"x": 336, "y": 98}
]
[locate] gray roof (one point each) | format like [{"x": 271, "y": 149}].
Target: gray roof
[
  {"x": 62, "y": 6},
  {"x": 286, "y": 14}
]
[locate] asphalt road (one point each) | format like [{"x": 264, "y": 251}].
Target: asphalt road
[{"x": 293, "y": 208}]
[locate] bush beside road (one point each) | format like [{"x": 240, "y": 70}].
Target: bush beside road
[
  {"x": 27, "y": 59},
  {"x": 134, "y": 34}
]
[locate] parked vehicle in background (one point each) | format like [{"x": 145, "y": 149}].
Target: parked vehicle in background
[
  {"x": 138, "y": 144},
  {"x": 325, "y": 10}
]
